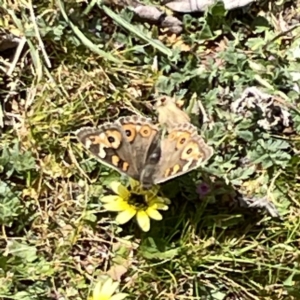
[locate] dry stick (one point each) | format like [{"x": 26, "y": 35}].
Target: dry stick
[
  {"x": 19, "y": 50},
  {"x": 281, "y": 34},
  {"x": 204, "y": 114},
  {"x": 41, "y": 44},
  {"x": 74, "y": 160}
]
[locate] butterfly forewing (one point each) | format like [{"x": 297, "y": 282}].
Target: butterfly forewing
[
  {"x": 127, "y": 145},
  {"x": 143, "y": 137},
  {"x": 108, "y": 143}
]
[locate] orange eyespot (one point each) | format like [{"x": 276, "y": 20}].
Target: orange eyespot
[
  {"x": 130, "y": 132},
  {"x": 181, "y": 139},
  {"x": 191, "y": 151},
  {"x": 145, "y": 131},
  {"x": 113, "y": 139}
]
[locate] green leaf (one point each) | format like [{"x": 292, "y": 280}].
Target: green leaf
[
  {"x": 245, "y": 135},
  {"x": 218, "y": 9},
  {"x": 237, "y": 176},
  {"x": 155, "y": 249},
  {"x": 21, "y": 250},
  {"x": 22, "y": 296},
  {"x": 10, "y": 204},
  {"x": 13, "y": 160}
]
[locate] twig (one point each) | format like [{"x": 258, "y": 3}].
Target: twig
[
  {"x": 36, "y": 29},
  {"x": 204, "y": 114},
  {"x": 19, "y": 50},
  {"x": 281, "y": 34}
]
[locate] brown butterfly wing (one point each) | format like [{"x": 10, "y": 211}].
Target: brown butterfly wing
[
  {"x": 123, "y": 145},
  {"x": 109, "y": 145},
  {"x": 143, "y": 136},
  {"x": 182, "y": 151}
]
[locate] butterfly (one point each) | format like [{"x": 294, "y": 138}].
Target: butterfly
[{"x": 137, "y": 147}]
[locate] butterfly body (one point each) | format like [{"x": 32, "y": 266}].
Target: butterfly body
[{"x": 134, "y": 146}]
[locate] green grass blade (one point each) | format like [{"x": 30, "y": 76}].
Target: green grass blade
[
  {"x": 84, "y": 39},
  {"x": 154, "y": 43}
]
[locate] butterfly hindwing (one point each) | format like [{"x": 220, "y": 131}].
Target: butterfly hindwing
[{"x": 183, "y": 150}]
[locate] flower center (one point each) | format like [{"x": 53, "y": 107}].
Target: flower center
[{"x": 138, "y": 201}]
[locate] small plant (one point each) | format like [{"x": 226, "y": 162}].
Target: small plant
[{"x": 144, "y": 204}]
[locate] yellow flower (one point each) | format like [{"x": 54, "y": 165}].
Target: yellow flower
[
  {"x": 104, "y": 290},
  {"x": 144, "y": 204}
]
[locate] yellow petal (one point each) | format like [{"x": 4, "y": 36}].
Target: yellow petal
[
  {"x": 124, "y": 216},
  {"x": 154, "y": 214},
  {"x": 120, "y": 189},
  {"x": 97, "y": 291},
  {"x": 118, "y": 205},
  {"x": 162, "y": 206},
  {"x": 157, "y": 205},
  {"x": 155, "y": 199},
  {"x": 143, "y": 220},
  {"x": 110, "y": 198},
  {"x": 108, "y": 288},
  {"x": 119, "y": 296}
]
